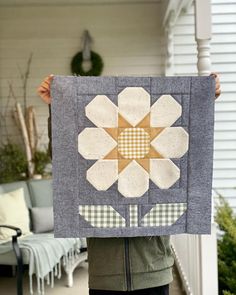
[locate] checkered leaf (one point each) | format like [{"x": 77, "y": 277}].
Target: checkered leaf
[
  {"x": 164, "y": 214},
  {"x": 103, "y": 216}
]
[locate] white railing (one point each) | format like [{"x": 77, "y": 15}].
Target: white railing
[{"x": 196, "y": 260}]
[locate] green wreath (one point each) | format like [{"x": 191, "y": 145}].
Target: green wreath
[{"x": 97, "y": 65}]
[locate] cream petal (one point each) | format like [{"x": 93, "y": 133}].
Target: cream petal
[
  {"x": 103, "y": 174},
  {"x": 165, "y": 111},
  {"x": 134, "y": 104},
  {"x": 163, "y": 172},
  {"x": 133, "y": 181},
  {"x": 102, "y": 112},
  {"x": 95, "y": 143},
  {"x": 172, "y": 142}
]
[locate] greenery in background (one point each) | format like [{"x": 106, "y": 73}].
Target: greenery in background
[
  {"x": 41, "y": 159},
  {"x": 13, "y": 163},
  {"x": 226, "y": 220}
]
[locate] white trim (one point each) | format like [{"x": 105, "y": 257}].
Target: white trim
[
  {"x": 172, "y": 9},
  {"x": 181, "y": 272},
  {"x": 196, "y": 261}
]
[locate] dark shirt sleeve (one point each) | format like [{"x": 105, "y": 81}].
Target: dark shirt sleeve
[{"x": 49, "y": 133}]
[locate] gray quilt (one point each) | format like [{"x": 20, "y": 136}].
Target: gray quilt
[{"x": 132, "y": 156}]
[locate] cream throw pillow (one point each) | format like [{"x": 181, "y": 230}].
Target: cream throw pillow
[{"x": 13, "y": 211}]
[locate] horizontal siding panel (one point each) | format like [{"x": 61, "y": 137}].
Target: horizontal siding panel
[
  {"x": 222, "y": 145},
  {"x": 217, "y": 29},
  {"x": 225, "y": 116},
  {"x": 224, "y": 183},
  {"x": 223, "y": 106},
  {"x": 225, "y": 126},
  {"x": 225, "y": 136},
  {"x": 224, "y": 163},
  {"x": 223, "y": 9},
  {"x": 225, "y": 154},
  {"x": 108, "y": 70},
  {"x": 216, "y": 19},
  {"x": 218, "y": 48},
  {"x": 222, "y": 174},
  {"x": 229, "y": 193}
]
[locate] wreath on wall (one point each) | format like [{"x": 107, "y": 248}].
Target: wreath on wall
[
  {"x": 96, "y": 65},
  {"x": 86, "y": 62}
]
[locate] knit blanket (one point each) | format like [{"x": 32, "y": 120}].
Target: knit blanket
[
  {"x": 46, "y": 254},
  {"x": 132, "y": 156}
]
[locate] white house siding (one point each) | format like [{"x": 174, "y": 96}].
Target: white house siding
[
  {"x": 126, "y": 35},
  {"x": 223, "y": 56}
]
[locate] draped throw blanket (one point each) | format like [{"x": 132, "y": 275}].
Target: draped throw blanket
[
  {"x": 46, "y": 257},
  {"x": 132, "y": 156}
]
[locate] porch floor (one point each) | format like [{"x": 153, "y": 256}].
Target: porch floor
[{"x": 80, "y": 287}]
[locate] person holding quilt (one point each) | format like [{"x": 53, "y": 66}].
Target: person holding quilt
[{"x": 134, "y": 265}]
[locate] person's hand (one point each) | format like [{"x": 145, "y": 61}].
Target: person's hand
[
  {"x": 217, "y": 79},
  {"x": 44, "y": 89}
]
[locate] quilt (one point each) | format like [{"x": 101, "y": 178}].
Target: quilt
[{"x": 132, "y": 156}]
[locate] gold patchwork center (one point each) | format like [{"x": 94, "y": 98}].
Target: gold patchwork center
[{"x": 133, "y": 143}]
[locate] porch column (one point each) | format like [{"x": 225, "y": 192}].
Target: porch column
[
  {"x": 203, "y": 35},
  {"x": 207, "y": 243}
]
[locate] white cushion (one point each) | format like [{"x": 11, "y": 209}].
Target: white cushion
[{"x": 13, "y": 211}]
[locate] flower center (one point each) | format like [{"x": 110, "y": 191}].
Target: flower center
[{"x": 133, "y": 143}]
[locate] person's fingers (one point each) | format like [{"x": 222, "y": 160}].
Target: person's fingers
[
  {"x": 45, "y": 95},
  {"x": 214, "y": 74},
  {"x": 217, "y": 84},
  {"x": 44, "y": 89},
  {"x": 217, "y": 93}
]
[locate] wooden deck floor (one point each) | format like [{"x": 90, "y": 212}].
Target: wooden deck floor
[{"x": 7, "y": 285}]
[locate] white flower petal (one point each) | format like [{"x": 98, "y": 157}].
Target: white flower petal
[
  {"x": 134, "y": 104},
  {"x": 163, "y": 172},
  {"x": 172, "y": 142},
  {"x": 102, "y": 112},
  {"x": 103, "y": 174},
  {"x": 133, "y": 181},
  {"x": 95, "y": 143},
  {"x": 165, "y": 111}
]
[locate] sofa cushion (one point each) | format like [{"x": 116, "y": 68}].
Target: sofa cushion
[
  {"x": 42, "y": 219},
  {"x": 41, "y": 192},
  {"x": 13, "y": 211},
  {"x": 9, "y": 187}
]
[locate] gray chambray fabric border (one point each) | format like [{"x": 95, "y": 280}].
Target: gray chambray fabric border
[{"x": 132, "y": 156}]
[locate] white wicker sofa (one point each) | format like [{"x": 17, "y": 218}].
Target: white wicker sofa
[{"x": 37, "y": 194}]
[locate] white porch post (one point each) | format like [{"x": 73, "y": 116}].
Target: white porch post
[
  {"x": 203, "y": 35},
  {"x": 207, "y": 243},
  {"x": 196, "y": 255}
]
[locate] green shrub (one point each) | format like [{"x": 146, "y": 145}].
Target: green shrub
[
  {"x": 226, "y": 220},
  {"x": 41, "y": 159},
  {"x": 13, "y": 163}
]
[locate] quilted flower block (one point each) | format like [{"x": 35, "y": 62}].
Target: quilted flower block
[
  {"x": 133, "y": 142},
  {"x": 132, "y": 156}
]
